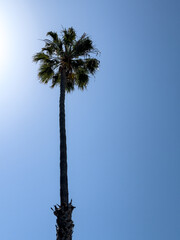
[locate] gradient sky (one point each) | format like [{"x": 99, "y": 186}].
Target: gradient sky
[{"x": 123, "y": 132}]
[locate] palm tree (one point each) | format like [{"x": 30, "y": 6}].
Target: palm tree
[{"x": 66, "y": 61}]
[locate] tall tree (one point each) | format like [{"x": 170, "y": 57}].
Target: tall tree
[{"x": 66, "y": 61}]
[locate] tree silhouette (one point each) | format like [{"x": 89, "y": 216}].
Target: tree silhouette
[{"x": 66, "y": 61}]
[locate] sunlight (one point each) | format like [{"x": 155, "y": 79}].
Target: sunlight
[
  {"x": 4, "y": 43},
  {"x": 16, "y": 33}
]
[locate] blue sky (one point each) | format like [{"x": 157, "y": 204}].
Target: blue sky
[{"x": 123, "y": 132}]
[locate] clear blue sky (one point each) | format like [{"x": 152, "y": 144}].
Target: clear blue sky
[{"x": 123, "y": 132}]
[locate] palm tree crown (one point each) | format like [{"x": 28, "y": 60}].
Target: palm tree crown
[{"x": 68, "y": 53}]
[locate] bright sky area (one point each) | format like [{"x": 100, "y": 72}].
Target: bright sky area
[{"x": 123, "y": 132}]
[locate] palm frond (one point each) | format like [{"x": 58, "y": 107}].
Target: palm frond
[
  {"x": 82, "y": 79},
  {"x": 69, "y": 85},
  {"x": 48, "y": 50},
  {"x": 56, "y": 47},
  {"x": 83, "y": 46},
  {"x": 92, "y": 65},
  {"x": 77, "y": 63},
  {"x": 46, "y": 59},
  {"x": 40, "y": 56},
  {"x": 45, "y": 73},
  {"x": 53, "y": 35},
  {"x": 69, "y": 35}
]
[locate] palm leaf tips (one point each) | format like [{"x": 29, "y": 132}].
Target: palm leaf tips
[
  {"x": 53, "y": 35},
  {"x": 41, "y": 56},
  {"x": 82, "y": 79},
  {"x": 69, "y": 35},
  {"x": 92, "y": 64}
]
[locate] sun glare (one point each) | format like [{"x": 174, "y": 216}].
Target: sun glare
[{"x": 4, "y": 44}]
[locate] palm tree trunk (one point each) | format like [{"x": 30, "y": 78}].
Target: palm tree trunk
[
  {"x": 63, "y": 148},
  {"x": 63, "y": 212}
]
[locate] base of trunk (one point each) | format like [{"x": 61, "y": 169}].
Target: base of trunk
[{"x": 64, "y": 223}]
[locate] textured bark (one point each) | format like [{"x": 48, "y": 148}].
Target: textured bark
[{"x": 64, "y": 223}]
